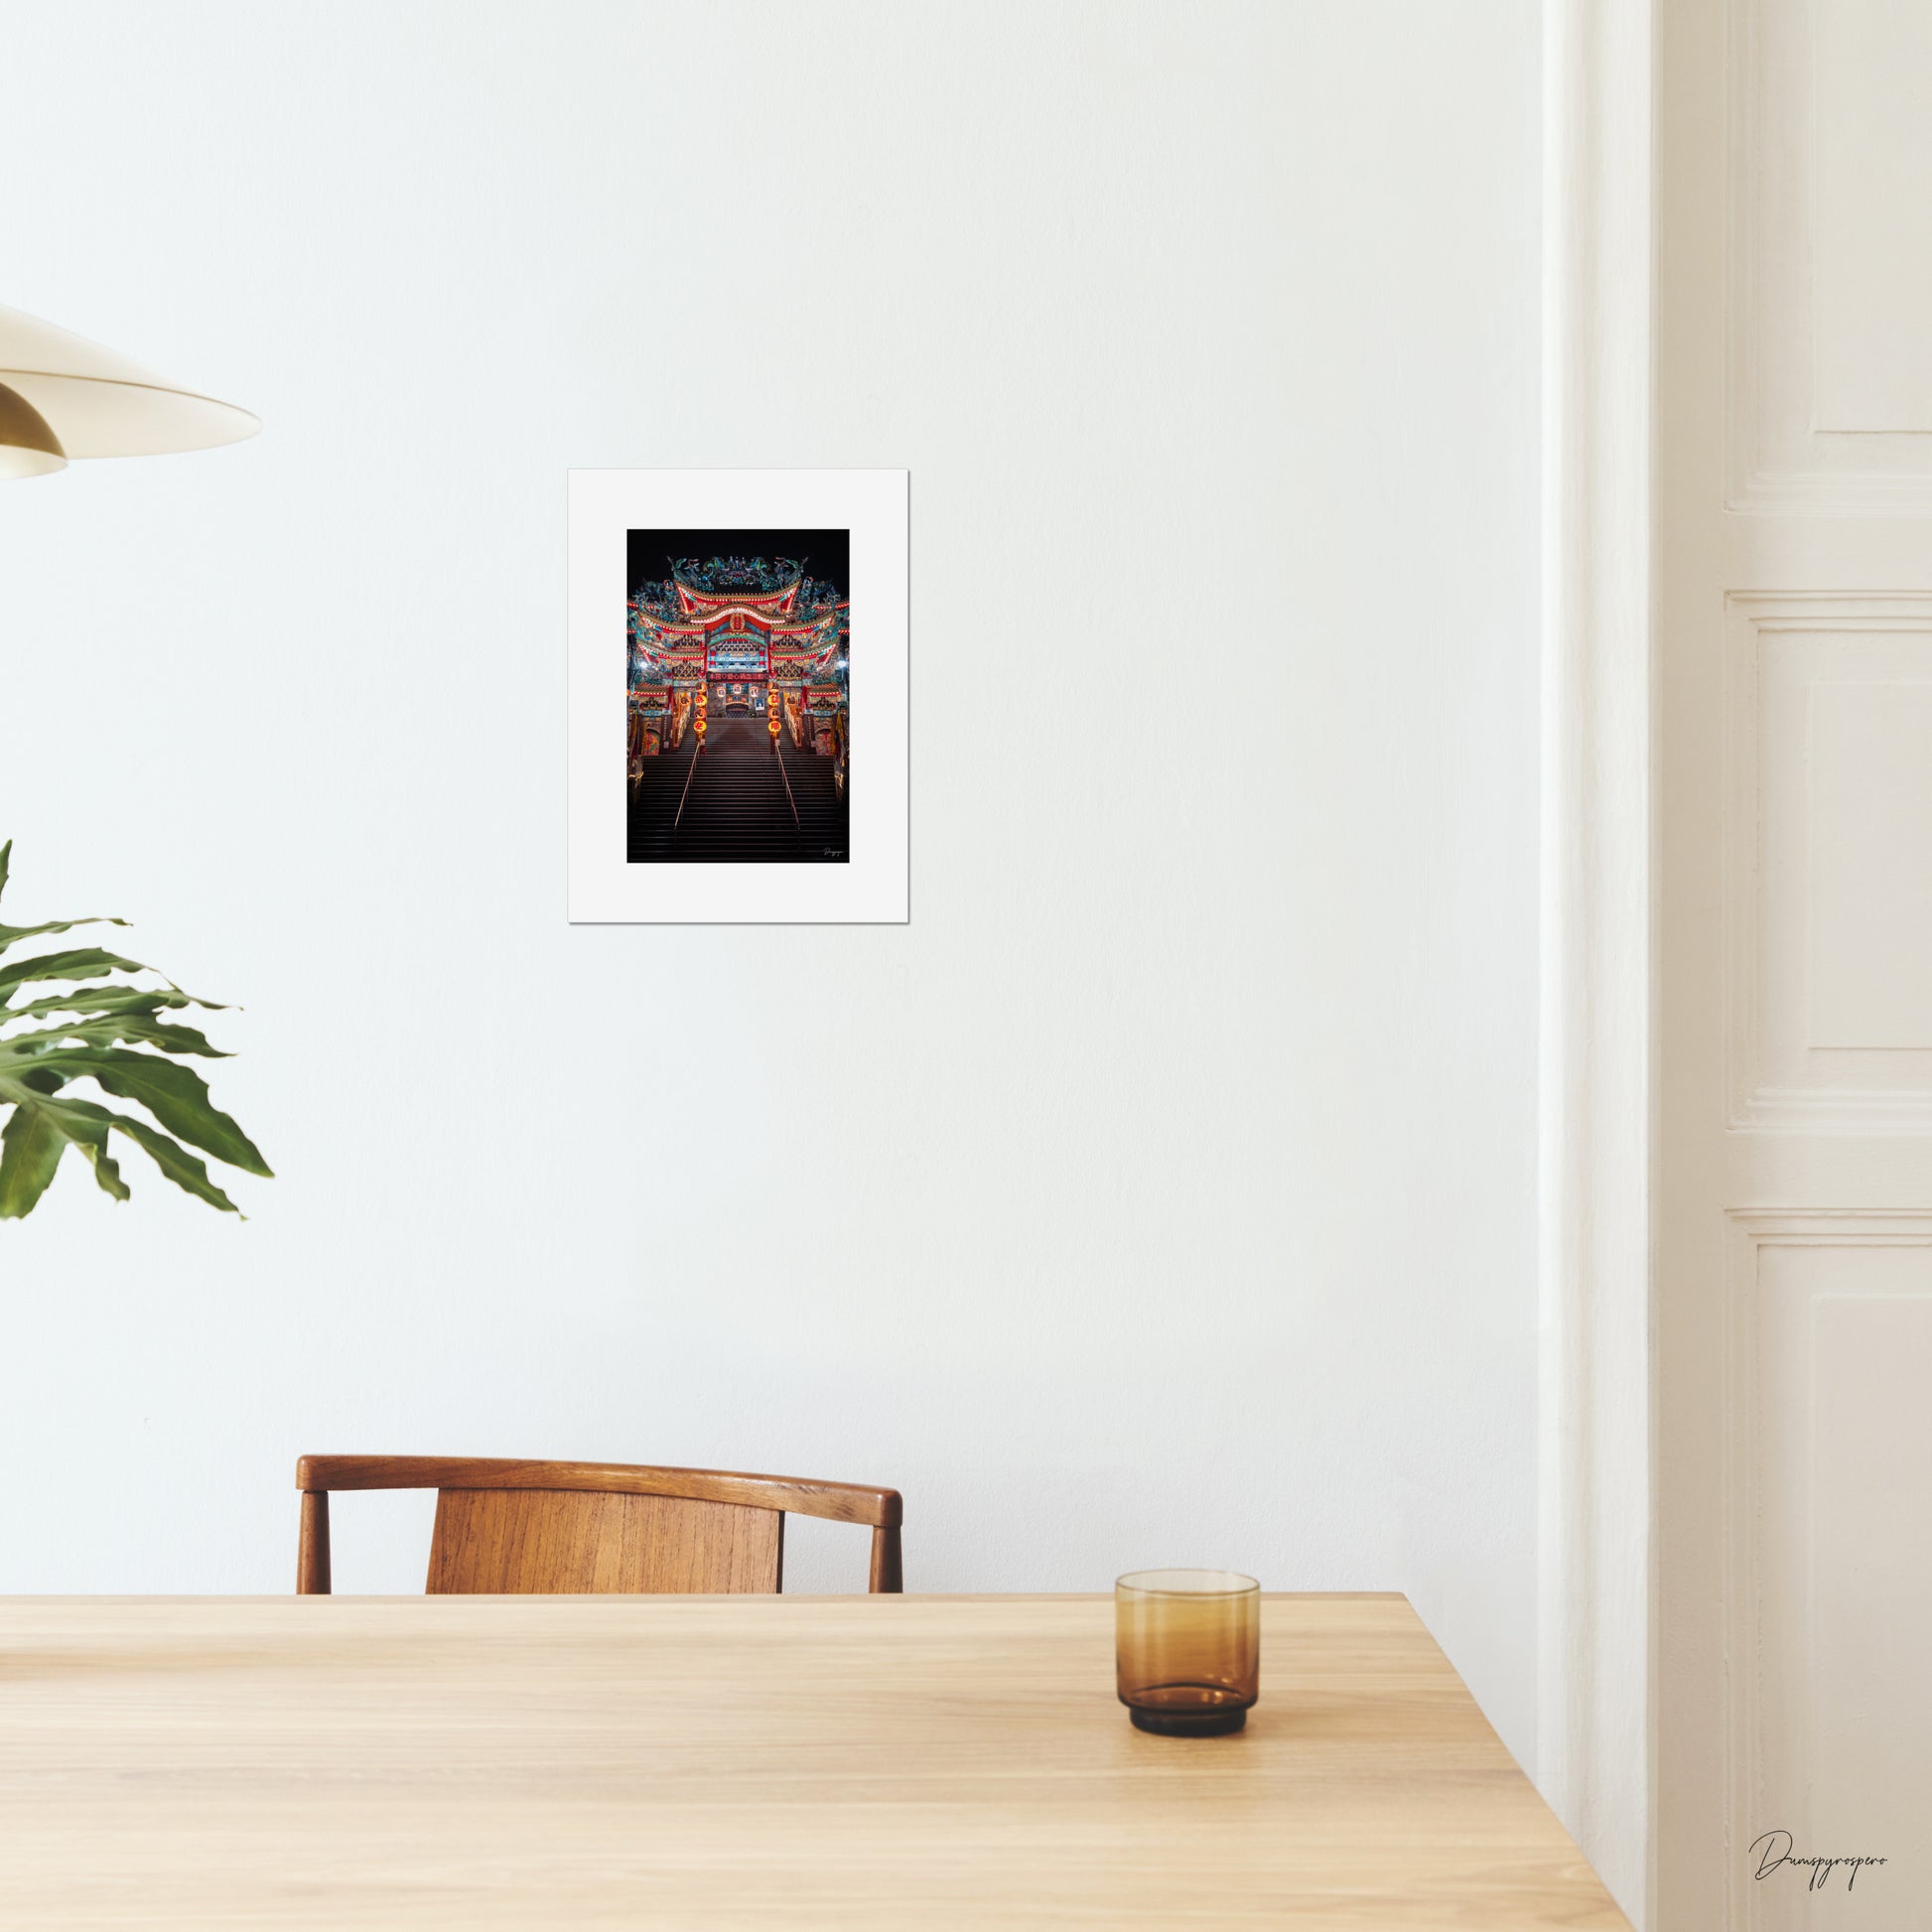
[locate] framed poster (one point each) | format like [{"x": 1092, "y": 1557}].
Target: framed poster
[{"x": 738, "y": 696}]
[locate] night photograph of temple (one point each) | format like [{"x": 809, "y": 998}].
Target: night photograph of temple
[{"x": 739, "y": 693}]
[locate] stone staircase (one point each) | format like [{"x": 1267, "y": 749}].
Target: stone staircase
[{"x": 735, "y": 811}]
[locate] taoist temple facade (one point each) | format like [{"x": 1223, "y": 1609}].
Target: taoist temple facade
[{"x": 754, "y": 635}]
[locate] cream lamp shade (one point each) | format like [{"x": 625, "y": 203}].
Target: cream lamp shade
[{"x": 63, "y": 396}]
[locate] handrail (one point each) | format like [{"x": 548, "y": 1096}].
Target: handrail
[
  {"x": 789, "y": 799},
  {"x": 686, "y": 792}
]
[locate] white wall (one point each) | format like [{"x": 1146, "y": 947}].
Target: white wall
[{"x": 1164, "y": 1191}]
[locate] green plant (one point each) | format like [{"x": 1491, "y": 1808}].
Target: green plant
[{"x": 91, "y": 1032}]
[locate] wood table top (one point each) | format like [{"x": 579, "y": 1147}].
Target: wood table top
[{"x": 723, "y": 1761}]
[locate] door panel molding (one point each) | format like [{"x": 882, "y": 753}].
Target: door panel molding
[
  {"x": 1784, "y": 924},
  {"x": 1828, "y": 412},
  {"x": 1770, "y": 1434}
]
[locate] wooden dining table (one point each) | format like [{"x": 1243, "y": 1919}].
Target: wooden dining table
[{"x": 723, "y": 1761}]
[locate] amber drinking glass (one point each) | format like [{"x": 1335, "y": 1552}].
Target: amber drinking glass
[{"x": 1187, "y": 1649}]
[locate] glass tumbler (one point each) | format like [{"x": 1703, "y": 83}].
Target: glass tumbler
[{"x": 1187, "y": 1649}]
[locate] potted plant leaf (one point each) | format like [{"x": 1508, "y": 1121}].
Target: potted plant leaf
[{"x": 58, "y": 1026}]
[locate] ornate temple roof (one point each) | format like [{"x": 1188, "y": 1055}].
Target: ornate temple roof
[{"x": 797, "y": 620}]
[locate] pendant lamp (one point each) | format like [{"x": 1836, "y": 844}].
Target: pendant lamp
[{"x": 63, "y": 396}]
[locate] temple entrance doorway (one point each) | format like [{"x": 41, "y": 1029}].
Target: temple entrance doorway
[{"x": 743, "y": 695}]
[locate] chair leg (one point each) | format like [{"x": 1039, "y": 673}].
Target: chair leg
[
  {"x": 886, "y": 1572},
  {"x": 312, "y": 1550}
]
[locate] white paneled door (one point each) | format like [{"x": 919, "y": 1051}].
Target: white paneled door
[{"x": 1794, "y": 1272}]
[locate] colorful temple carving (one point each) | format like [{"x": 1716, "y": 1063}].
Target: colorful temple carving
[{"x": 754, "y": 635}]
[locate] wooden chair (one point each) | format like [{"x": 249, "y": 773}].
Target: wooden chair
[{"x": 508, "y": 1527}]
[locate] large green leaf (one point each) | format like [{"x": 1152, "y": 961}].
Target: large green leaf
[
  {"x": 93, "y": 1033},
  {"x": 86, "y": 1126},
  {"x": 57, "y": 1125},
  {"x": 83, "y": 963},
  {"x": 107, "y": 998},
  {"x": 31, "y": 1146},
  {"x": 174, "y": 1095},
  {"x": 139, "y": 1027},
  {"x": 181, "y": 1167},
  {"x": 9, "y": 933}
]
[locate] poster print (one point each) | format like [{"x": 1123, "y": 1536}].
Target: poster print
[
  {"x": 739, "y": 707},
  {"x": 738, "y": 695}
]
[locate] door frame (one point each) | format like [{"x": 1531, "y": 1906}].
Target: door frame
[{"x": 1597, "y": 1084}]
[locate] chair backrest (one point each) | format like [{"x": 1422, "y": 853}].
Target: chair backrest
[{"x": 508, "y": 1527}]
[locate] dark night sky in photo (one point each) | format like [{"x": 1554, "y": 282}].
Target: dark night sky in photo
[{"x": 827, "y": 554}]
